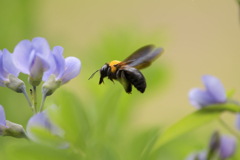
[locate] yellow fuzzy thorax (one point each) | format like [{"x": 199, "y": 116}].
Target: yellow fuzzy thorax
[{"x": 113, "y": 68}]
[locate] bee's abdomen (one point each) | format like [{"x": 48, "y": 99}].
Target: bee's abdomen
[{"x": 136, "y": 78}]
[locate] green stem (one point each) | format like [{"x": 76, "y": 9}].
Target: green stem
[
  {"x": 228, "y": 128},
  {"x": 42, "y": 103},
  {"x": 26, "y": 137},
  {"x": 28, "y": 99},
  {"x": 35, "y": 99}
]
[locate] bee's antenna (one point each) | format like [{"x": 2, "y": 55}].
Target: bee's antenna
[{"x": 93, "y": 74}]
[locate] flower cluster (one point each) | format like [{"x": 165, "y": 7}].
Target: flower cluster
[
  {"x": 40, "y": 63},
  {"x": 220, "y": 147},
  {"x": 214, "y": 94}
]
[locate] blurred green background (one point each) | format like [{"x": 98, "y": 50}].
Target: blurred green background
[{"x": 198, "y": 37}]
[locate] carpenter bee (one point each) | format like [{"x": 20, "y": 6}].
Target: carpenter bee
[{"x": 127, "y": 71}]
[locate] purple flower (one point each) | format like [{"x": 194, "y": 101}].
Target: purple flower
[
  {"x": 9, "y": 74},
  {"x": 6, "y": 67},
  {"x": 227, "y": 146},
  {"x": 3, "y": 124},
  {"x": 33, "y": 58},
  {"x": 220, "y": 147},
  {"x": 65, "y": 70},
  {"x": 42, "y": 121},
  {"x": 213, "y": 94}
]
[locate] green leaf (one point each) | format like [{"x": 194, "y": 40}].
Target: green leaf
[
  {"x": 193, "y": 121},
  {"x": 151, "y": 142},
  {"x": 139, "y": 144}
]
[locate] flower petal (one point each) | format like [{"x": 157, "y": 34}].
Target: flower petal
[
  {"x": 2, "y": 117},
  {"x": 41, "y": 46},
  {"x": 72, "y": 69},
  {"x": 8, "y": 63},
  {"x": 52, "y": 65},
  {"x": 60, "y": 62},
  {"x": 42, "y": 121},
  {"x": 39, "y": 119},
  {"x": 215, "y": 88},
  {"x": 3, "y": 72},
  {"x": 38, "y": 65},
  {"x": 192, "y": 156},
  {"x": 199, "y": 98},
  {"x": 227, "y": 146},
  {"x": 2, "y": 83},
  {"x": 21, "y": 55},
  {"x": 54, "y": 128},
  {"x": 198, "y": 156},
  {"x": 202, "y": 155}
]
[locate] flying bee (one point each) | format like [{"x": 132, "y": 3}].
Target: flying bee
[{"x": 127, "y": 71}]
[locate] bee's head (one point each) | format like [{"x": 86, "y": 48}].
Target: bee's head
[{"x": 104, "y": 72}]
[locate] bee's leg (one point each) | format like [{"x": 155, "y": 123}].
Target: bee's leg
[
  {"x": 111, "y": 79},
  {"x": 109, "y": 74},
  {"x": 101, "y": 80},
  {"x": 126, "y": 84}
]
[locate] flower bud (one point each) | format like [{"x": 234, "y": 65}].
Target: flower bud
[
  {"x": 50, "y": 85},
  {"x": 15, "y": 84},
  {"x": 8, "y": 128},
  {"x": 214, "y": 142},
  {"x": 34, "y": 82},
  {"x": 14, "y": 130}
]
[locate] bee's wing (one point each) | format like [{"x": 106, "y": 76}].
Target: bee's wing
[
  {"x": 143, "y": 57},
  {"x": 139, "y": 53}
]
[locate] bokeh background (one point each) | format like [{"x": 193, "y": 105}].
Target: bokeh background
[{"x": 198, "y": 37}]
